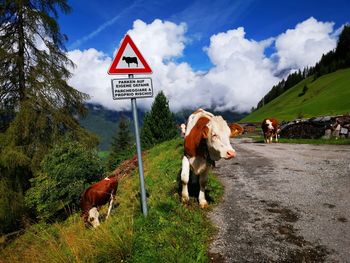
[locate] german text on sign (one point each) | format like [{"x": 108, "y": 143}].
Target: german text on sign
[{"x": 132, "y": 88}]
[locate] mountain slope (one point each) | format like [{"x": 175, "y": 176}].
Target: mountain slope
[
  {"x": 327, "y": 95},
  {"x": 104, "y": 123}
]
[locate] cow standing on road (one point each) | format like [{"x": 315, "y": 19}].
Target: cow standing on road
[
  {"x": 96, "y": 196},
  {"x": 270, "y": 129},
  {"x": 207, "y": 139}
]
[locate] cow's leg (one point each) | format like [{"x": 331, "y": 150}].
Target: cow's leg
[
  {"x": 110, "y": 206},
  {"x": 203, "y": 178},
  {"x": 185, "y": 175},
  {"x": 265, "y": 138}
]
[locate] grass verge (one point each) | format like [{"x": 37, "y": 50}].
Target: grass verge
[
  {"x": 316, "y": 141},
  {"x": 172, "y": 232},
  {"x": 334, "y": 141}
]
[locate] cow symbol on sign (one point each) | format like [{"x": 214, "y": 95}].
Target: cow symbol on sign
[{"x": 129, "y": 60}]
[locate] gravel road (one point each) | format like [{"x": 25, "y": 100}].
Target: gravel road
[{"x": 283, "y": 203}]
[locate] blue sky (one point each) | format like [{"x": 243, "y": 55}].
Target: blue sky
[
  {"x": 100, "y": 25},
  {"x": 260, "y": 18}
]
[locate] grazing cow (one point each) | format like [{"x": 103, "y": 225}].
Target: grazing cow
[
  {"x": 236, "y": 129},
  {"x": 129, "y": 60},
  {"x": 96, "y": 196},
  {"x": 207, "y": 139},
  {"x": 270, "y": 129}
]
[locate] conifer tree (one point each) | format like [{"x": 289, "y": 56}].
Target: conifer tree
[
  {"x": 158, "y": 124},
  {"x": 37, "y": 106},
  {"x": 34, "y": 70},
  {"x": 343, "y": 47},
  {"x": 122, "y": 144}
]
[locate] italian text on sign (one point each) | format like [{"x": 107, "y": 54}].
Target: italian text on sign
[{"x": 132, "y": 88}]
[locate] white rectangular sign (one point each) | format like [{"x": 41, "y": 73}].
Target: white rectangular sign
[{"x": 132, "y": 88}]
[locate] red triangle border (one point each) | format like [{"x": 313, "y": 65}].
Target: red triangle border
[{"x": 113, "y": 68}]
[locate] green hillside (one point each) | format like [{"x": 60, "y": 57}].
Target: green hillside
[
  {"x": 327, "y": 95},
  {"x": 103, "y": 128},
  {"x": 172, "y": 231}
]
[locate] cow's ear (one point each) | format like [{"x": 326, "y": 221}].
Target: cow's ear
[{"x": 205, "y": 132}]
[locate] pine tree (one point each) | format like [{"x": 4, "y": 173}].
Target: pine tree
[
  {"x": 33, "y": 80},
  {"x": 37, "y": 106},
  {"x": 122, "y": 144},
  {"x": 159, "y": 124},
  {"x": 343, "y": 48}
]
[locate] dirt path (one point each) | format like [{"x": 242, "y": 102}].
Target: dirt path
[{"x": 283, "y": 203}]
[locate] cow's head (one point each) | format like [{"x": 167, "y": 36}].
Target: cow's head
[
  {"x": 268, "y": 124},
  {"x": 217, "y": 133},
  {"x": 93, "y": 217},
  {"x": 183, "y": 129}
]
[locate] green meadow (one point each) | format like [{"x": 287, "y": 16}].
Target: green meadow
[{"x": 327, "y": 95}]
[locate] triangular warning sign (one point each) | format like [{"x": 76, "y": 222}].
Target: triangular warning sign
[{"x": 129, "y": 60}]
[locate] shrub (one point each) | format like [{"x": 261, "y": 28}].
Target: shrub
[
  {"x": 305, "y": 89},
  {"x": 66, "y": 172}
]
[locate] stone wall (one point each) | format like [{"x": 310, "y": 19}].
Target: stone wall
[{"x": 317, "y": 127}]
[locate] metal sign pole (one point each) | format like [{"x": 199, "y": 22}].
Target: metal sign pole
[{"x": 139, "y": 154}]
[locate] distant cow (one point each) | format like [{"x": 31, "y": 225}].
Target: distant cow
[
  {"x": 236, "y": 129},
  {"x": 129, "y": 60},
  {"x": 182, "y": 130},
  {"x": 270, "y": 129},
  {"x": 96, "y": 196},
  {"x": 207, "y": 139}
]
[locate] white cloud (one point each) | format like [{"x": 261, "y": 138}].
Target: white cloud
[
  {"x": 160, "y": 43},
  {"x": 159, "y": 40},
  {"x": 241, "y": 74},
  {"x": 90, "y": 76},
  {"x": 304, "y": 45}
]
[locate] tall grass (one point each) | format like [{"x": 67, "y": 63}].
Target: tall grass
[{"x": 172, "y": 232}]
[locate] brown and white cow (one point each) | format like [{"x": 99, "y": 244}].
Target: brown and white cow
[
  {"x": 207, "y": 139},
  {"x": 96, "y": 196},
  {"x": 182, "y": 130},
  {"x": 270, "y": 129},
  {"x": 236, "y": 129}
]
